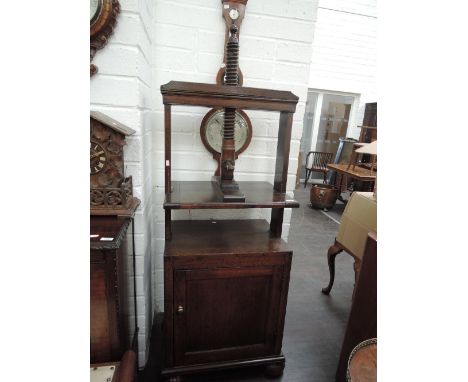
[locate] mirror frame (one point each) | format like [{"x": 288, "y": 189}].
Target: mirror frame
[{"x": 102, "y": 27}]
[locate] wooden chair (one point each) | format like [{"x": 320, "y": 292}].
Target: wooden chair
[
  {"x": 355, "y": 156},
  {"x": 317, "y": 161}
]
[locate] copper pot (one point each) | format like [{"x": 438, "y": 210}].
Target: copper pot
[{"x": 323, "y": 196}]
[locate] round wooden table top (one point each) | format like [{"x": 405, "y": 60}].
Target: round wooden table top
[{"x": 363, "y": 364}]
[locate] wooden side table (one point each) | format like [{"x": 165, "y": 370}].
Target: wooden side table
[{"x": 358, "y": 173}]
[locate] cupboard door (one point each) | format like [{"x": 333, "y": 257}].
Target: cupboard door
[
  {"x": 226, "y": 313},
  {"x": 104, "y": 326}
]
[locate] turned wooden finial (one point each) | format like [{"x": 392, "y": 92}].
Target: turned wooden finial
[{"x": 233, "y": 29}]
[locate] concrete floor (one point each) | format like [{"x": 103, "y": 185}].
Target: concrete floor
[{"x": 315, "y": 323}]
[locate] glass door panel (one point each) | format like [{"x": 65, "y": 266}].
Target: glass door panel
[
  {"x": 306, "y": 140},
  {"x": 334, "y": 119}
]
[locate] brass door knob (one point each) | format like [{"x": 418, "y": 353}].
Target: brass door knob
[{"x": 180, "y": 309}]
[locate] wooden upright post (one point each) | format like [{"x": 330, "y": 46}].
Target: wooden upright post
[
  {"x": 167, "y": 166},
  {"x": 281, "y": 169}
]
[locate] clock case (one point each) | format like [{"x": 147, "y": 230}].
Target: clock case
[
  {"x": 239, "y": 6},
  {"x": 111, "y": 193},
  {"x": 228, "y": 5}
]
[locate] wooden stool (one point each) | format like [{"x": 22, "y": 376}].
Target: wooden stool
[{"x": 362, "y": 364}]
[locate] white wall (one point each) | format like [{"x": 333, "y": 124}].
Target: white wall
[
  {"x": 344, "y": 52},
  {"x": 275, "y": 52},
  {"x": 156, "y": 41},
  {"x": 122, "y": 89}
]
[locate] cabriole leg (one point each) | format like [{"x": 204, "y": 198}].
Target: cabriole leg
[{"x": 334, "y": 250}]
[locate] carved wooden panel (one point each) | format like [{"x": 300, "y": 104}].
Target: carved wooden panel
[
  {"x": 102, "y": 26},
  {"x": 111, "y": 193},
  {"x": 110, "y": 145}
]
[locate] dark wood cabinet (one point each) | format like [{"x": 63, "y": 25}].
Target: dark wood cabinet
[
  {"x": 369, "y": 124},
  {"x": 236, "y": 304},
  {"x": 226, "y": 281},
  {"x": 224, "y": 302},
  {"x": 111, "y": 326},
  {"x": 370, "y": 114}
]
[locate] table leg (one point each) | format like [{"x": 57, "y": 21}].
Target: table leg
[{"x": 340, "y": 187}]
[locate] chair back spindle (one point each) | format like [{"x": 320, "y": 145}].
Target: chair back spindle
[{"x": 317, "y": 163}]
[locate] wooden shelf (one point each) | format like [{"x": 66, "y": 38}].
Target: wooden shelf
[
  {"x": 222, "y": 237},
  {"x": 206, "y": 195},
  {"x": 209, "y": 95}
]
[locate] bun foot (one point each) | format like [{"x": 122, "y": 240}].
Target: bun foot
[{"x": 274, "y": 371}]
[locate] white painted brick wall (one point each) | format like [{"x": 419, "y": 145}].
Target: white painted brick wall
[
  {"x": 275, "y": 53},
  {"x": 156, "y": 41},
  {"x": 344, "y": 51},
  {"x": 122, "y": 89}
]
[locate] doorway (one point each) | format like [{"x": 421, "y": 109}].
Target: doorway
[{"x": 327, "y": 118}]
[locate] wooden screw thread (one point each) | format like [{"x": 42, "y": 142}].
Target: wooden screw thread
[
  {"x": 229, "y": 121},
  {"x": 232, "y": 58},
  {"x": 232, "y": 79}
]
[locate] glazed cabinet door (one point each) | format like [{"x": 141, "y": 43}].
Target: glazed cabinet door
[{"x": 227, "y": 313}]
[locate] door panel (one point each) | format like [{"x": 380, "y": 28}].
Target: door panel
[
  {"x": 104, "y": 333},
  {"x": 326, "y": 124},
  {"x": 226, "y": 313},
  {"x": 99, "y": 327},
  {"x": 306, "y": 140},
  {"x": 333, "y": 122}
]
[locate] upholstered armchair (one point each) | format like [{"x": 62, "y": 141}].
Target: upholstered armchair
[{"x": 358, "y": 219}]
